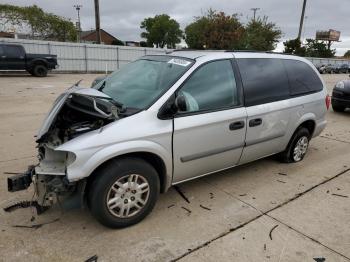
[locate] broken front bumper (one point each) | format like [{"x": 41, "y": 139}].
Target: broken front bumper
[
  {"x": 50, "y": 188},
  {"x": 20, "y": 181}
]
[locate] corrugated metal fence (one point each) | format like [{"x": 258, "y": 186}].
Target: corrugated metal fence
[
  {"x": 326, "y": 61},
  {"x": 75, "y": 57}
]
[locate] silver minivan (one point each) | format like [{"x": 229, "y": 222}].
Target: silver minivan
[{"x": 166, "y": 119}]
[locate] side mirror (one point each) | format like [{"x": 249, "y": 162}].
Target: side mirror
[
  {"x": 180, "y": 103},
  {"x": 172, "y": 106}
]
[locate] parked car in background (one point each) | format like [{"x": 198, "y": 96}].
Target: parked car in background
[
  {"x": 321, "y": 68},
  {"x": 166, "y": 119},
  {"x": 14, "y": 58},
  {"x": 326, "y": 69},
  {"x": 341, "y": 96},
  {"x": 344, "y": 68}
]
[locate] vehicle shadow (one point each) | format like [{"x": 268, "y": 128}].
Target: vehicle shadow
[{"x": 20, "y": 74}]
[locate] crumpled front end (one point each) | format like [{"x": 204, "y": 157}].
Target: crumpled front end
[{"x": 75, "y": 112}]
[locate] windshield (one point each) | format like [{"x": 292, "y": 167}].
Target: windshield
[{"x": 139, "y": 83}]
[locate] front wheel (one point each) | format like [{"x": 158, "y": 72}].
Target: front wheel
[
  {"x": 297, "y": 147},
  {"x": 124, "y": 192}
]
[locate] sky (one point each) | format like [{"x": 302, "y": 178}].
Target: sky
[{"x": 122, "y": 18}]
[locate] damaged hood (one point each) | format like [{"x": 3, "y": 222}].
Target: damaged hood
[{"x": 59, "y": 102}]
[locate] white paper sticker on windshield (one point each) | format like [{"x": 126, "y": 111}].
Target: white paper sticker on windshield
[{"x": 180, "y": 62}]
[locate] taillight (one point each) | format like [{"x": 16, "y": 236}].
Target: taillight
[{"x": 328, "y": 101}]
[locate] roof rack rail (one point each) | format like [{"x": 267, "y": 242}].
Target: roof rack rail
[
  {"x": 257, "y": 51},
  {"x": 199, "y": 50},
  {"x": 228, "y": 51}
]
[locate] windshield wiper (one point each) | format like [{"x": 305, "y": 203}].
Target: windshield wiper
[
  {"x": 112, "y": 100},
  {"x": 102, "y": 86}
]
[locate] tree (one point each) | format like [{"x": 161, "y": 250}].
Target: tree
[
  {"x": 261, "y": 35},
  {"x": 34, "y": 21},
  {"x": 347, "y": 54},
  {"x": 215, "y": 30},
  {"x": 316, "y": 48},
  {"x": 311, "y": 48},
  {"x": 294, "y": 47},
  {"x": 117, "y": 42},
  {"x": 161, "y": 31},
  {"x": 144, "y": 44}
]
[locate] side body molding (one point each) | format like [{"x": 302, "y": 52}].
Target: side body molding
[{"x": 87, "y": 161}]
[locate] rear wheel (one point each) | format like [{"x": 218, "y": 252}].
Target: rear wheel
[
  {"x": 124, "y": 192},
  {"x": 39, "y": 70},
  {"x": 297, "y": 147}
]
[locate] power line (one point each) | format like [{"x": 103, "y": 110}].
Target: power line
[
  {"x": 97, "y": 21},
  {"x": 302, "y": 19},
  {"x": 254, "y": 10},
  {"x": 78, "y": 25}
]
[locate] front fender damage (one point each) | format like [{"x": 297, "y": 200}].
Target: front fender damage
[{"x": 76, "y": 112}]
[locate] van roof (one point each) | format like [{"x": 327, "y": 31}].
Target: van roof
[{"x": 194, "y": 54}]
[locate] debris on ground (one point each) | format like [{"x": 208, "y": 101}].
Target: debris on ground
[
  {"x": 281, "y": 181},
  {"x": 211, "y": 195},
  {"x": 189, "y": 211},
  {"x": 204, "y": 207},
  {"x": 339, "y": 195},
  {"x": 181, "y": 194},
  {"x": 281, "y": 174},
  {"x": 272, "y": 229},
  {"x": 36, "y": 226},
  {"x": 25, "y": 204},
  {"x": 242, "y": 194},
  {"x": 319, "y": 259},
  {"x": 12, "y": 173},
  {"x": 171, "y": 206},
  {"x": 264, "y": 247},
  {"x": 92, "y": 259}
]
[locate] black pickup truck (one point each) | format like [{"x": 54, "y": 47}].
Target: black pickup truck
[{"x": 14, "y": 57}]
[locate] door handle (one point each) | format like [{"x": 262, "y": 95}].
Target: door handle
[
  {"x": 236, "y": 125},
  {"x": 255, "y": 122}
]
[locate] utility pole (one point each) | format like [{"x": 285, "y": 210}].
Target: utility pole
[
  {"x": 78, "y": 25},
  {"x": 97, "y": 21},
  {"x": 254, "y": 10},
  {"x": 302, "y": 19}
]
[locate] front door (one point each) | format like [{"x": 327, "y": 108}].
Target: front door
[
  {"x": 209, "y": 135},
  {"x": 2, "y": 58},
  {"x": 14, "y": 57}
]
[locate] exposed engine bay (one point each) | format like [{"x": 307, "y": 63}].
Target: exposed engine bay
[{"x": 75, "y": 112}]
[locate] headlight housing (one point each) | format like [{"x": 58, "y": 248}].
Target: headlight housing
[{"x": 340, "y": 85}]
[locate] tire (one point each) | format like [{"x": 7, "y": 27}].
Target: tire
[
  {"x": 111, "y": 184},
  {"x": 39, "y": 70},
  {"x": 299, "y": 138},
  {"x": 338, "y": 108}
]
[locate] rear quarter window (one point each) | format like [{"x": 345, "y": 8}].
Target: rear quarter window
[
  {"x": 264, "y": 80},
  {"x": 302, "y": 78}
]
